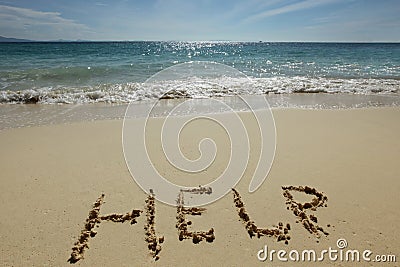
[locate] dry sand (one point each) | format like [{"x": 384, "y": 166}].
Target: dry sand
[{"x": 52, "y": 175}]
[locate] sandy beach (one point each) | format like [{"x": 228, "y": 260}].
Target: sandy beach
[
  {"x": 200, "y": 133},
  {"x": 52, "y": 175}
]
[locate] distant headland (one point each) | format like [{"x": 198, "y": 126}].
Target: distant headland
[{"x": 13, "y": 40}]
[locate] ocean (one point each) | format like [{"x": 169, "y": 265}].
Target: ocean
[{"x": 113, "y": 72}]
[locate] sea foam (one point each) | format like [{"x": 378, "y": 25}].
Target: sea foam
[{"x": 191, "y": 88}]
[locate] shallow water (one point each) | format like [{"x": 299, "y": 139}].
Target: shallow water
[{"x": 114, "y": 72}]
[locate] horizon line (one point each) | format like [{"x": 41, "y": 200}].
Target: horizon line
[
  {"x": 190, "y": 41},
  {"x": 11, "y": 40}
]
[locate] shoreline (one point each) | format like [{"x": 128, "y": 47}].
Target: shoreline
[{"x": 20, "y": 115}]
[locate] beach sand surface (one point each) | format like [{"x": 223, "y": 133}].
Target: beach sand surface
[{"x": 52, "y": 175}]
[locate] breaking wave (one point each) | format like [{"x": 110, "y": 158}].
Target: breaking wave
[{"x": 135, "y": 91}]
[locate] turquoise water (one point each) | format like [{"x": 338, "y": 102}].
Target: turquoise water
[{"x": 113, "y": 71}]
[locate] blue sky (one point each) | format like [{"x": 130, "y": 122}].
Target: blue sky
[{"x": 236, "y": 20}]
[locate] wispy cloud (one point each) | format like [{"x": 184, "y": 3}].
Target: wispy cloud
[
  {"x": 100, "y": 4},
  {"x": 288, "y": 8},
  {"x": 358, "y": 22},
  {"x": 16, "y": 21}
]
